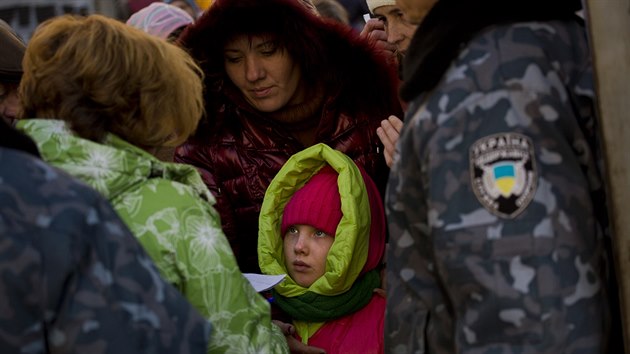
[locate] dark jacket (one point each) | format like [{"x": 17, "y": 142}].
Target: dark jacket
[
  {"x": 239, "y": 150},
  {"x": 72, "y": 277},
  {"x": 496, "y": 204}
]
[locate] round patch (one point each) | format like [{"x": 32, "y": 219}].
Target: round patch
[{"x": 503, "y": 173}]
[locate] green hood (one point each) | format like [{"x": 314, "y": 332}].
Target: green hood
[
  {"x": 111, "y": 167},
  {"x": 348, "y": 253}
]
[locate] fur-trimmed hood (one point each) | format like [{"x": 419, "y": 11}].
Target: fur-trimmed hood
[
  {"x": 360, "y": 239},
  {"x": 331, "y": 56}
]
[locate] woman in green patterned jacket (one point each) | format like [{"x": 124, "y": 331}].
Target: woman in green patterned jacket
[{"x": 107, "y": 95}]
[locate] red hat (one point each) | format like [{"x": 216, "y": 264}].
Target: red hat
[{"x": 317, "y": 204}]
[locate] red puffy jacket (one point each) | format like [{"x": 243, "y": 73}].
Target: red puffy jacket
[{"x": 359, "y": 333}]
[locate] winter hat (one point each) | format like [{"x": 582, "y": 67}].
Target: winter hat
[
  {"x": 378, "y": 225},
  {"x": 373, "y": 4},
  {"x": 11, "y": 53},
  {"x": 317, "y": 203},
  {"x": 160, "y": 19},
  {"x": 195, "y": 6}
]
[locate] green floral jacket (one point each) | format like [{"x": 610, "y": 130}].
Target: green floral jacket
[{"x": 170, "y": 211}]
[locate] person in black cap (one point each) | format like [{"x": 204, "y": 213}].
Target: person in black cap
[{"x": 11, "y": 52}]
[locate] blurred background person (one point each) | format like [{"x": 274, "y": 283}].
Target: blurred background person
[
  {"x": 398, "y": 29},
  {"x": 167, "y": 22},
  {"x": 11, "y": 53},
  {"x": 356, "y": 9},
  {"x": 333, "y": 10},
  {"x": 25, "y": 15},
  {"x": 190, "y": 6},
  {"x": 162, "y": 20},
  {"x": 389, "y": 25}
]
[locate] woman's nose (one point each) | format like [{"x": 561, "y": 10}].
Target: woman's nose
[{"x": 254, "y": 71}]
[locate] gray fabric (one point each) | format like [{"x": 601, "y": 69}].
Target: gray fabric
[
  {"x": 72, "y": 277},
  {"x": 464, "y": 275}
]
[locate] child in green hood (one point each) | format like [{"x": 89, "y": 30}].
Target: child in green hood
[{"x": 322, "y": 223}]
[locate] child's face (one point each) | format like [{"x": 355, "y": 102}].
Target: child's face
[{"x": 305, "y": 252}]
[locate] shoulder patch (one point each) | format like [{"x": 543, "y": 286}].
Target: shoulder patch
[{"x": 503, "y": 173}]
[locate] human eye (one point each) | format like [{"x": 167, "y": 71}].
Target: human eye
[
  {"x": 401, "y": 17},
  {"x": 232, "y": 58},
  {"x": 268, "y": 49},
  {"x": 292, "y": 230},
  {"x": 320, "y": 234},
  {"x": 382, "y": 19}
]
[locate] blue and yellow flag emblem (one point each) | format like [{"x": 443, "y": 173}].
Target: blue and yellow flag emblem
[
  {"x": 503, "y": 173},
  {"x": 504, "y": 178}
]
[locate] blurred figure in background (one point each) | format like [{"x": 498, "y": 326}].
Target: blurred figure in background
[
  {"x": 162, "y": 20},
  {"x": 496, "y": 204},
  {"x": 332, "y": 9},
  {"x": 190, "y": 6},
  {"x": 11, "y": 53},
  {"x": 399, "y": 31},
  {"x": 167, "y": 22},
  {"x": 393, "y": 31},
  {"x": 356, "y": 9}
]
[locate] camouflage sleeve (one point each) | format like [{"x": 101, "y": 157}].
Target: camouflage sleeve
[
  {"x": 495, "y": 242},
  {"x": 73, "y": 278}
]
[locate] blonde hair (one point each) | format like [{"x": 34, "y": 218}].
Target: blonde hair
[{"x": 101, "y": 76}]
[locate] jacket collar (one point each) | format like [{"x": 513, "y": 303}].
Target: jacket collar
[
  {"x": 349, "y": 251},
  {"x": 112, "y": 166}
]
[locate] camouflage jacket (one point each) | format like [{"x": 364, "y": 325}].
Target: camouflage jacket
[
  {"x": 72, "y": 277},
  {"x": 495, "y": 203}
]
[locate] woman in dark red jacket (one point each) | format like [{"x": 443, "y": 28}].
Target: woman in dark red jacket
[{"x": 279, "y": 79}]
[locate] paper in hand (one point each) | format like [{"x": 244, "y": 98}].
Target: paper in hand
[{"x": 262, "y": 282}]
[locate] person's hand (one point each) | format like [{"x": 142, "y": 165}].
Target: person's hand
[
  {"x": 382, "y": 291},
  {"x": 295, "y": 345},
  {"x": 286, "y": 328},
  {"x": 389, "y": 132},
  {"x": 374, "y": 30}
]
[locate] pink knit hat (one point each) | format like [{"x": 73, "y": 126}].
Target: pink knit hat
[
  {"x": 317, "y": 204},
  {"x": 160, "y": 19}
]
